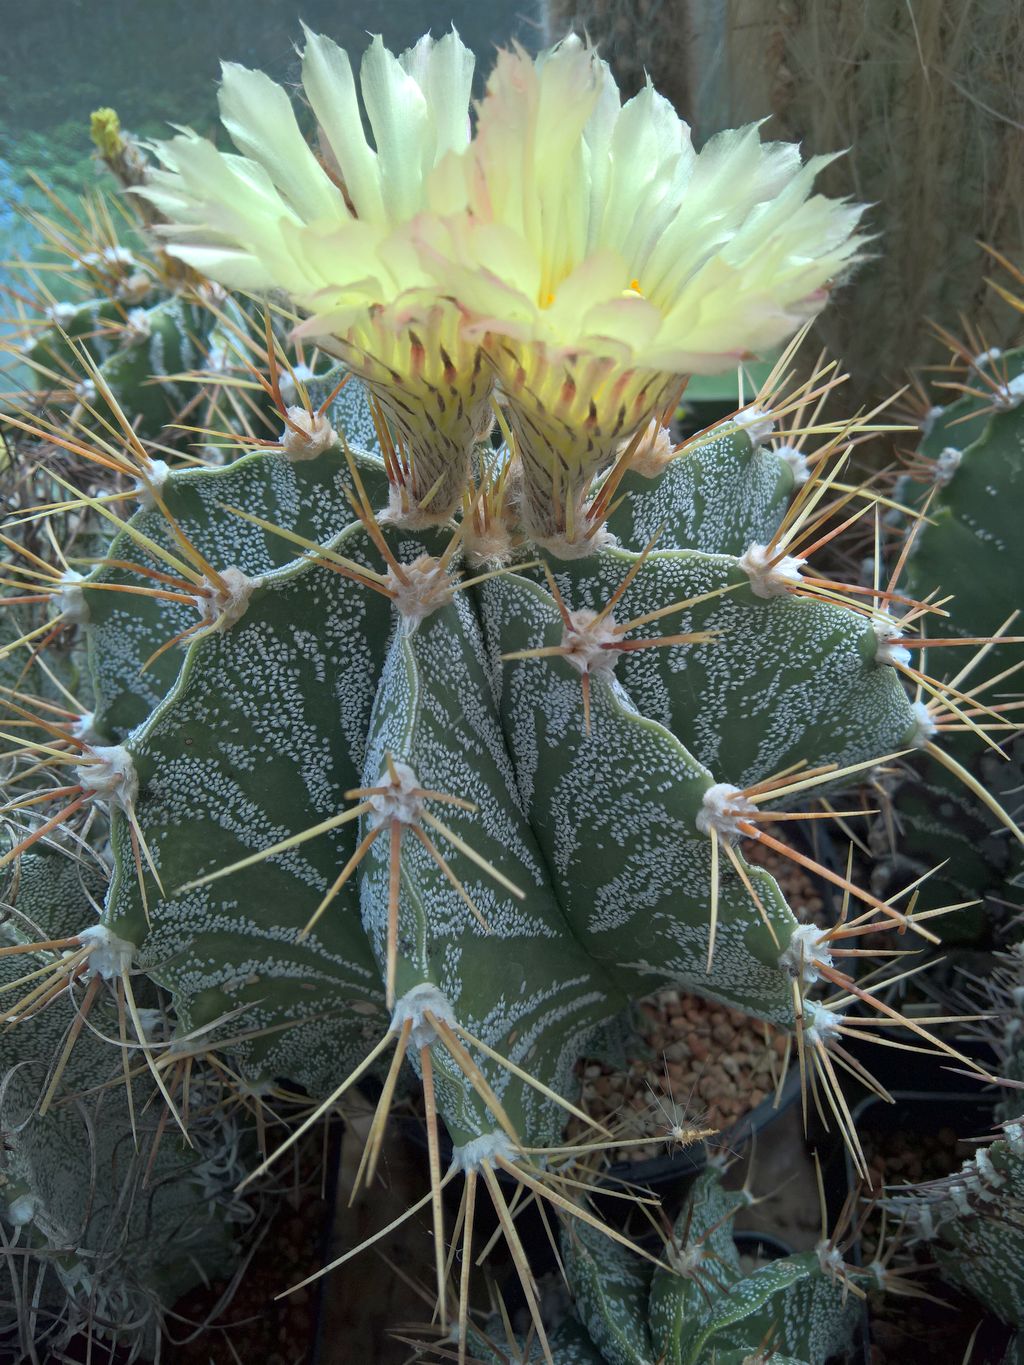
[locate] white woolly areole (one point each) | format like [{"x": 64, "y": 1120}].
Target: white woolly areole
[
  {"x": 427, "y": 588},
  {"x": 961, "y": 1201},
  {"x": 563, "y": 548},
  {"x": 217, "y": 359},
  {"x": 313, "y": 436},
  {"x": 482, "y": 1151},
  {"x": 947, "y": 462},
  {"x": 806, "y": 952},
  {"x": 654, "y": 451},
  {"x": 111, "y": 774},
  {"x": 60, "y": 313},
  {"x": 586, "y": 640},
  {"x": 722, "y": 807},
  {"x": 888, "y": 650},
  {"x": 415, "y": 1005},
  {"x": 928, "y": 421},
  {"x": 1011, "y": 394},
  {"x": 22, "y": 1210},
  {"x": 84, "y": 728},
  {"x": 221, "y": 607},
  {"x": 924, "y": 726},
  {"x": 797, "y": 461},
  {"x": 156, "y": 475},
  {"x": 85, "y": 391},
  {"x": 988, "y": 357},
  {"x": 686, "y": 1260},
  {"x": 822, "y": 1025},
  {"x": 136, "y": 286},
  {"x": 71, "y": 601},
  {"x": 212, "y": 292},
  {"x": 1014, "y": 1135},
  {"x": 830, "y": 1258},
  {"x": 986, "y": 1171},
  {"x": 116, "y": 256},
  {"x": 109, "y": 956},
  {"x": 398, "y": 802},
  {"x": 921, "y": 1215},
  {"x": 758, "y": 423},
  {"x": 767, "y": 579},
  {"x": 488, "y": 548},
  {"x": 137, "y": 326}
]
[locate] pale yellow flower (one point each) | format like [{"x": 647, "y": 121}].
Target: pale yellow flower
[
  {"x": 333, "y": 231},
  {"x": 603, "y": 259}
]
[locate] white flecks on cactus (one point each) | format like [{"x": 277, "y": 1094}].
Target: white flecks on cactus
[
  {"x": 85, "y": 391},
  {"x": 484, "y": 1151},
  {"x": 151, "y": 482},
  {"x": 222, "y": 604},
  {"x": 947, "y": 462},
  {"x": 796, "y": 460},
  {"x": 108, "y": 771},
  {"x": 589, "y": 641},
  {"x": 1014, "y": 1135},
  {"x": 110, "y": 957},
  {"x": 414, "y": 1007},
  {"x": 723, "y": 806},
  {"x": 757, "y": 422},
  {"x": 804, "y": 955},
  {"x": 925, "y": 728},
  {"x": 770, "y": 574},
  {"x": 890, "y": 648},
  {"x": 307, "y": 435},
  {"x": 422, "y": 588},
  {"x": 73, "y": 607}
]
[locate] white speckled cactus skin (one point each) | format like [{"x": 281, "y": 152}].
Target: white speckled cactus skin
[
  {"x": 269, "y": 719},
  {"x": 700, "y": 1306}
]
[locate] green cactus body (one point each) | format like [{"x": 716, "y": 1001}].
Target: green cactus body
[
  {"x": 116, "y": 1231},
  {"x": 315, "y": 683},
  {"x": 971, "y": 1223},
  {"x": 703, "y": 1309},
  {"x": 970, "y": 546}
]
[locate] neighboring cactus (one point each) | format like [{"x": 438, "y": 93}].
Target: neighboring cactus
[
  {"x": 116, "y": 1215},
  {"x": 690, "y": 1302},
  {"x": 972, "y": 1224},
  {"x": 967, "y": 479}
]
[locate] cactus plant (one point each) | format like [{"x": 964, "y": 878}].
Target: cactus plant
[
  {"x": 690, "y": 1301},
  {"x": 966, "y": 479},
  {"x": 107, "y": 1216},
  {"x": 970, "y": 1223},
  {"x": 464, "y": 738}
]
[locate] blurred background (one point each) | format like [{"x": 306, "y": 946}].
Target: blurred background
[{"x": 928, "y": 95}]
